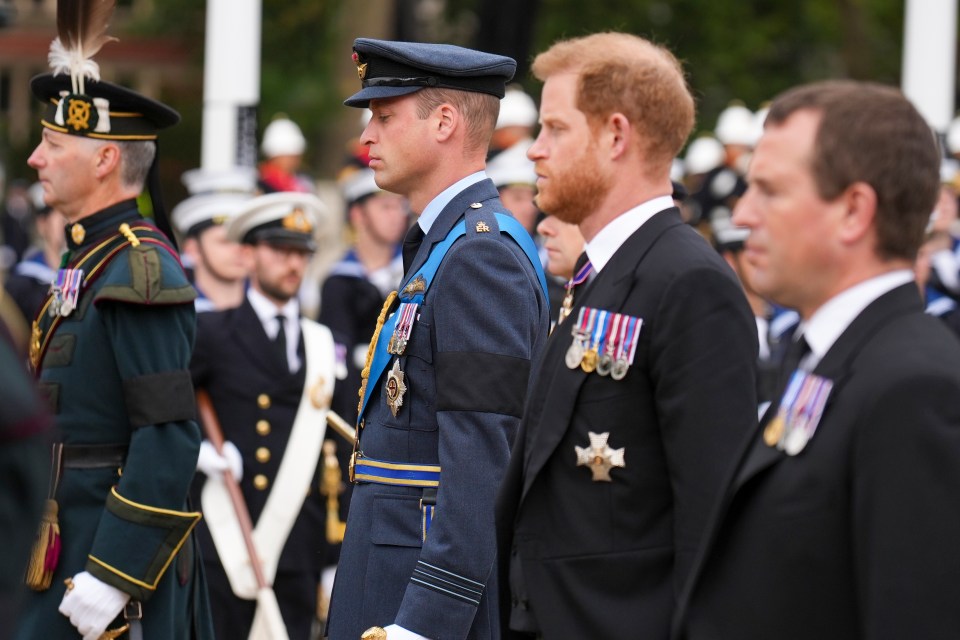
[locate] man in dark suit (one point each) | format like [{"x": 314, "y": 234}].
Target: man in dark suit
[
  {"x": 447, "y": 372},
  {"x": 840, "y": 519},
  {"x": 647, "y": 386},
  {"x": 269, "y": 374}
]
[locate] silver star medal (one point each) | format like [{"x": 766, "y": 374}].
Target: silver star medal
[
  {"x": 395, "y": 388},
  {"x": 600, "y": 457}
]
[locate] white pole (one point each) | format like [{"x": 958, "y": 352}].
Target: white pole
[
  {"x": 231, "y": 84},
  {"x": 929, "y": 54}
]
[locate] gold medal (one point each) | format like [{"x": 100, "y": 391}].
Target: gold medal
[
  {"x": 773, "y": 431},
  {"x": 394, "y": 388},
  {"x": 589, "y": 362}
]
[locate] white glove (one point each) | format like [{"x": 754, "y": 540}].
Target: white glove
[
  {"x": 92, "y": 604},
  {"x": 396, "y": 632},
  {"x": 213, "y": 464}
]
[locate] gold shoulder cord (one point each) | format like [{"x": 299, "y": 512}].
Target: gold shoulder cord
[{"x": 365, "y": 374}]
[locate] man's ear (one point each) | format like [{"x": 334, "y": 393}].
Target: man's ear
[
  {"x": 860, "y": 202},
  {"x": 107, "y": 160},
  {"x": 447, "y": 121},
  {"x": 619, "y": 129}
]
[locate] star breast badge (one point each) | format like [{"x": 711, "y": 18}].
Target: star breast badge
[{"x": 600, "y": 457}]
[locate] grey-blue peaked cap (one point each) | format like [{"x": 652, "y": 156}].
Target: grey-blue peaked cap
[{"x": 388, "y": 69}]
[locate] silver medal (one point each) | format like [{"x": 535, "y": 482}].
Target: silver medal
[
  {"x": 575, "y": 354},
  {"x": 619, "y": 369},
  {"x": 605, "y": 364}
]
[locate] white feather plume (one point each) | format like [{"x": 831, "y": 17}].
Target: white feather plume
[{"x": 71, "y": 61}]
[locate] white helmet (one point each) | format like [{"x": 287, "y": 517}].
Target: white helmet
[
  {"x": 703, "y": 155},
  {"x": 737, "y": 125},
  {"x": 517, "y": 110},
  {"x": 283, "y": 137}
]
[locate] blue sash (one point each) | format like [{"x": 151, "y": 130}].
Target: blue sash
[{"x": 508, "y": 225}]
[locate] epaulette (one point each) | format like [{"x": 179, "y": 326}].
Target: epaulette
[{"x": 151, "y": 274}]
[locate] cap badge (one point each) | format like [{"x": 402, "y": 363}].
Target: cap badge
[
  {"x": 81, "y": 114},
  {"x": 297, "y": 220},
  {"x": 599, "y": 456},
  {"x": 361, "y": 66}
]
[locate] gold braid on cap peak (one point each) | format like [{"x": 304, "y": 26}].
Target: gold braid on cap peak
[{"x": 82, "y": 31}]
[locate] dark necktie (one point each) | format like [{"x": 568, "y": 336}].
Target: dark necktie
[
  {"x": 796, "y": 352},
  {"x": 411, "y": 243},
  {"x": 280, "y": 341}
]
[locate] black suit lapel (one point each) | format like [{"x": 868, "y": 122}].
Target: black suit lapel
[
  {"x": 554, "y": 404},
  {"x": 250, "y": 336}
]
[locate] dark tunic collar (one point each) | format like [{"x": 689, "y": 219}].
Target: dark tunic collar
[{"x": 101, "y": 224}]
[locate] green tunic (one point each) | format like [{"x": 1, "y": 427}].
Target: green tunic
[{"x": 115, "y": 373}]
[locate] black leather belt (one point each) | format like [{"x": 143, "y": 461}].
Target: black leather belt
[{"x": 93, "y": 456}]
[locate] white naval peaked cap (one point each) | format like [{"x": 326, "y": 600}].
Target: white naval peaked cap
[
  {"x": 704, "y": 154},
  {"x": 359, "y": 184},
  {"x": 517, "y": 109},
  {"x": 512, "y": 166},
  {"x": 283, "y": 218},
  {"x": 737, "y": 125},
  {"x": 216, "y": 197},
  {"x": 283, "y": 137},
  {"x": 235, "y": 180},
  {"x": 726, "y": 234}
]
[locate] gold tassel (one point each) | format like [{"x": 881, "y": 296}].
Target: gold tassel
[
  {"x": 46, "y": 550},
  {"x": 365, "y": 373}
]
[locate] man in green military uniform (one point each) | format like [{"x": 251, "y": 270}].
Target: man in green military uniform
[{"x": 111, "y": 348}]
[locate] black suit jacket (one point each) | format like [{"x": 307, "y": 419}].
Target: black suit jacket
[
  {"x": 856, "y": 536},
  {"x": 601, "y": 559}
]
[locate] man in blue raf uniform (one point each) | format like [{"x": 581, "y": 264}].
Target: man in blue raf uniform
[
  {"x": 839, "y": 520},
  {"x": 448, "y": 367},
  {"x": 269, "y": 374},
  {"x": 111, "y": 347},
  {"x": 646, "y": 388}
]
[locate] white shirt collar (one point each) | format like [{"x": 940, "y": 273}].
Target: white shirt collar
[
  {"x": 612, "y": 236},
  {"x": 432, "y": 210},
  {"x": 832, "y": 319}
]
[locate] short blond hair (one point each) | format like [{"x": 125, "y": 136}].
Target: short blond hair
[
  {"x": 479, "y": 111},
  {"x": 624, "y": 73}
]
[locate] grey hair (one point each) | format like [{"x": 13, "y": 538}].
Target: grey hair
[{"x": 136, "y": 158}]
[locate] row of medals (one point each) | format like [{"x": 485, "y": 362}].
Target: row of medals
[
  {"x": 614, "y": 361},
  {"x": 65, "y": 292}
]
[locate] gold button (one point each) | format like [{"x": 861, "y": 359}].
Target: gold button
[
  {"x": 263, "y": 454},
  {"x": 260, "y": 482},
  {"x": 263, "y": 427},
  {"x": 263, "y": 401}
]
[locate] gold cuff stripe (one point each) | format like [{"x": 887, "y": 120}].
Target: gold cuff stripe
[
  {"x": 144, "y": 507},
  {"x": 184, "y": 514}
]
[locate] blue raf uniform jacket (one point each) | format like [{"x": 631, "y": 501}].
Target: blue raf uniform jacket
[{"x": 466, "y": 367}]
